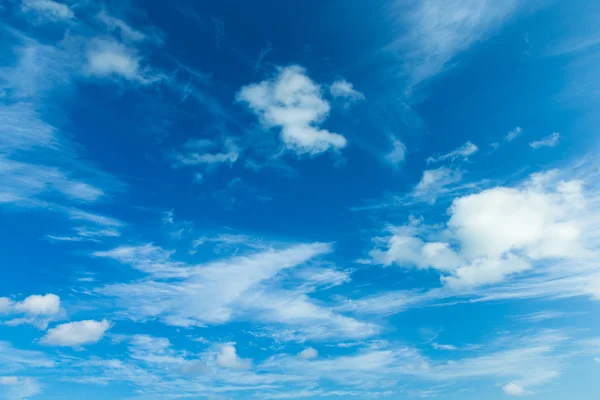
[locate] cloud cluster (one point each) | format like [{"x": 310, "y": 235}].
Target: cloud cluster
[{"x": 497, "y": 233}]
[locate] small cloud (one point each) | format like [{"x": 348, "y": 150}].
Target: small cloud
[
  {"x": 548, "y": 141},
  {"x": 230, "y": 154},
  {"x": 445, "y": 347},
  {"x": 344, "y": 89},
  {"x": 398, "y": 153},
  {"x": 513, "y": 389},
  {"x": 292, "y": 102},
  {"x": 126, "y": 31},
  {"x": 308, "y": 353},
  {"x": 75, "y": 334},
  {"x": 228, "y": 358},
  {"x": 434, "y": 182},
  {"x": 108, "y": 58},
  {"x": 510, "y": 136},
  {"x": 463, "y": 152}
]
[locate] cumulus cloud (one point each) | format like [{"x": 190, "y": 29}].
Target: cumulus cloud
[
  {"x": 227, "y": 357},
  {"x": 293, "y": 103},
  {"x": 75, "y": 334},
  {"x": 308, "y": 353},
  {"x": 548, "y": 141},
  {"x": 47, "y": 10},
  {"x": 496, "y": 233},
  {"x": 37, "y": 310},
  {"x": 463, "y": 152}
]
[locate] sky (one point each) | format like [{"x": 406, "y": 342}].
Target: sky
[{"x": 394, "y": 199}]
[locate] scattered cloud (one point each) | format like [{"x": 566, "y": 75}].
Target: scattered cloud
[
  {"x": 510, "y": 136},
  {"x": 435, "y": 182},
  {"x": 37, "y": 310},
  {"x": 76, "y": 334},
  {"x": 293, "y": 103},
  {"x": 115, "y": 24},
  {"x": 548, "y": 141},
  {"x": 47, "y": 10},
  {"x": 18, "y": 388},
  {"x": 308, "y": 353},
  {"x": 463, "y": 152},
  {"x": 230, "y": 154},
  {"x": 398, "y": 152},
  {"x": 344, "y": 89}
]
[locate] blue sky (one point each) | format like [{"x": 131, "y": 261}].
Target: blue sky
[{"x": 299, "y": 199}]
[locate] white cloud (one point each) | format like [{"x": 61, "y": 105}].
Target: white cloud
[
  {"x": 228, "y": 358},
  {"x": 308, "y": 353},
  {"x": 344, "y": 89},
  {"x": 434, "y": 183},
  {"x": 14, "y": 359},
  {"x": 48, "y": 304},
  {"x": 462, "y": 152},
  {"x": 513, "y": 389},
  {"x": 292, "y": 102},
  {"x": 18, "y": 388},
  {"x": 445, "y": 347},
  {"x": 230, "y": 155},
  {"x": 108, "y": 58},
  {"x": 547, "y": 141},
  {"x": 113, "y": 23},
  {"x": 496, "y": 233},
  {"x": 198, "y": 295},
  {"x": 398, "y": 152},
  {"x": 510, "y": 136},
  {"x": 440, "y": 30},
  {"x": 37, "y": 310},
  {"x": 75, "y": 334},
  {"x": 47, "y": 10}
]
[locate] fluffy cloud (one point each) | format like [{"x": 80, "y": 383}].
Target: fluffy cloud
[
  {"x": 47, "y": 10},
  {"x": 308, "y": 353},
  {"x": 293, "y": 103},
  {"x": 496, "y": 233},
  {"x": 548, "y": 141},
  {"x": 228, "y": 358},
  {"x": 75, "y": 334},
  {"x": 462, "y": 152},
  {"x": 37, "y": 310},
  {"x": 108, "y": 58}
]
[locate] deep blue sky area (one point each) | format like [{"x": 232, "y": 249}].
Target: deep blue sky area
[{"x": 299, "y": 199}]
